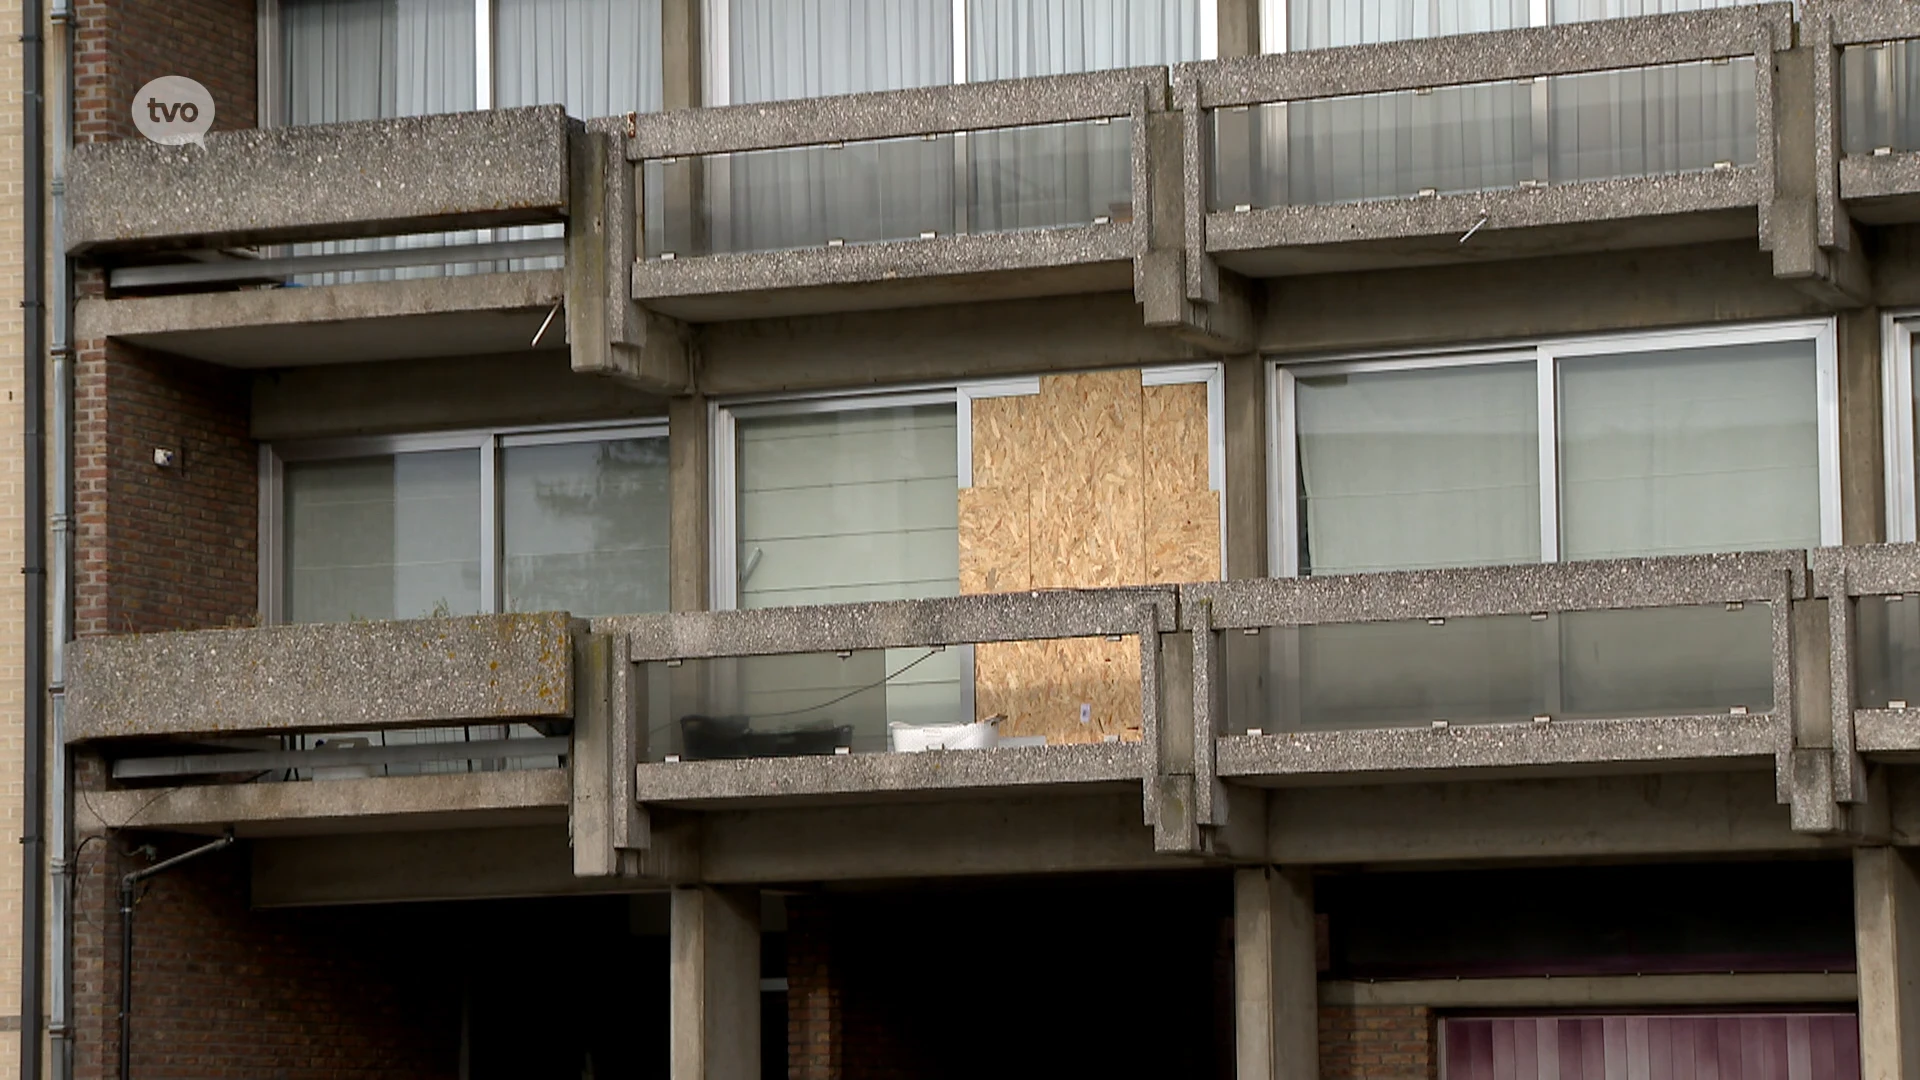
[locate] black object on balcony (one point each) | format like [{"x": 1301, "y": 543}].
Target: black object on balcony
[{"x": 709, "y": 738}]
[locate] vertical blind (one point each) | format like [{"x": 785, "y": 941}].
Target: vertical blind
[
  {"x": 1817, "y": 1046},
  {"x": 1880, "y": 103}
]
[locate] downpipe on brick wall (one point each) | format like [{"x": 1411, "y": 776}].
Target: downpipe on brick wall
[
  {"x": 129, "y": 884},
  {"x": 33, "y": 302},
  {"x": 61, "y": 893}
]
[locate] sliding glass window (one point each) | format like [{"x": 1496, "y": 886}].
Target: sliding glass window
[
  {"x": 434, "y": 526},
  {"x": 1685, "y": 442}
]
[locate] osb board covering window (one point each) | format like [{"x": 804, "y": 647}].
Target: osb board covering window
[{"x": 1095, "y": 481}]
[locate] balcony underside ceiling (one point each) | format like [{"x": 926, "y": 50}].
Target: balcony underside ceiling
[
  {"x": 384, "y": 320},
  {"x": 764, "y": 297},
  {"x": 1488, "y": 244}
]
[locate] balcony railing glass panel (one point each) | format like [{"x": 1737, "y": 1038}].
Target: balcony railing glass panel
[
  {"x": 1038, "y": 177},
  {"x": 1501, "y": 669},
  {"x": 1880, "y": 97},
  {"x": 1484, "y": 136},
  {"x": 1887, "y": 652}
]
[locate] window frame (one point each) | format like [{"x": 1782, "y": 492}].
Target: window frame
[
  {"x": 1899, "y": 330},
  {"x": 486, "y": 442},
  {"x": 1283, "y": 550},
  {"x": 723, "y": 433}
]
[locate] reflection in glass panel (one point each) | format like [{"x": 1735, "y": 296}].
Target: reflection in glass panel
[
  {"x": 1374, "y": 146},
  {"x": 1886, "y": 642},
  {"x": 845, "y": 506},
  {"x": 1321, "y": 24},
  {"x": 1431, "y": 467},
  {"x": 1880, "y": 103},
  {"x": 1569, "y": 11},
  {"x": 1689, "y": 451},
  {"x": 1652, "y": 121},
  {"x": 1500, "y": 669},
  {"x": 584, "y": 526},
  {"x": 1044, "y": 176},
  {"x": 389, "y": 537},
  {"x": 793, "y": 706}
]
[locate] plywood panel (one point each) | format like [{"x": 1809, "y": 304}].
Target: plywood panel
[
  {"x": 994, "y": 539},
  {"x": 1094, "y": 482},
  {"x": 1040, "y": 686}
]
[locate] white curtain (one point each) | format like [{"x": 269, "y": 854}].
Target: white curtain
[
  {"x": 1404, "y": 470},
  {"x": 349, "y": 60},
  {"x": 1063, "y": 174},
  {"x": 1566, "y": 11},
  {"x": 840, "y": 507},
  {"x": 783, "y": 49},
  {"x": 1697, "y": 450},
  {"x": 584, "y": 526},
  {"x": 1324, "y": 24},
  {"x": 1880, "y": 97},
  {"x": 1652, "y": 121}
]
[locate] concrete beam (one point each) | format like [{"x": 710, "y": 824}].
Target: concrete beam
[
  {"x": 1835, "y": 273},
  {"x": 689, "y": 486},
  {"x": 609, "y": 334},
  {"x": 353, "y": 807},
  {"x": 429, "y": 395},
  {"x": 713, "y": 784},
  {"x": 1276, "y": 999},
  {"x": 715, "y": 990},
  {"x": 466, "y": 315},
  {"x": 322, "y": 677},
  {"x": 607, "y": 825},
  {"x": 1601, "y": 992},
  {"x": 318, "y": 182},
  {"x": 397, "y": 866},
  {"x": 1886, "y": 903}
]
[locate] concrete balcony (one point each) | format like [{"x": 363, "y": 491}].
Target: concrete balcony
[
  {"x": 388, "y": 239},
  {"x": 1467, "y": 148},
  {"x": 1870, "y": 54},
  {"x": 1108, "y": 729},
  {"x": 1030, "y": 187}
]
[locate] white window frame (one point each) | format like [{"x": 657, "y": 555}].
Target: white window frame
[
  {"x": 718, "y": 88},
  {"x": 1544, "y": 354},
  {"x": 488, "y": 442},
  {"x": 1898, "y": 329},
  {"x": 723, "y": 464}
]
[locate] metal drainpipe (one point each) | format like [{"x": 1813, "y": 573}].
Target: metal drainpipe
[
  {"x": 33, "y": 892},
  {"x": 127, "y": 886},
  {"x": 60, "y": 583}
]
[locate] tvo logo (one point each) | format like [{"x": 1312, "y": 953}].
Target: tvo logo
[{"x": 173, "y": 110}]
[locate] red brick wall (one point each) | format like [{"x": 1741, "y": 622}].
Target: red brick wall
[
  {"x": 1377, "y": 1042},
  {"x": 162, "y": 548},
  {"x": 221, "y": 990},
  {"x": 121, "y": 45}
]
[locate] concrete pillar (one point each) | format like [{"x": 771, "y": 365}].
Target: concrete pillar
[
  {"x": 1246, "y": 449},
  {"x": 1862, "y": 438},
  {"x": 1239, "y": 27},
  {"x": 715, "y": 994},
  {"x": 1886, "y": 927},
  {"x": 1275, "y": 986},
  {"x": 682, "y": 55},
  {"x": 688, "y": 556}
]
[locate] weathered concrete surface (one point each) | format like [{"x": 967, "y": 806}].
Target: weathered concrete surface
[
  {"x": 1276, "y": 1004},
  {"x": 503, "y": 390},
  {"x": 326, "y": 181},
  {"x": 716, "y": 783},
  {"x": 1886, "y": 920},
  {"x": 1881, "y": 190},
  {"x": 714, "y": 956},
  {"x": 315, "y": 678},
  {"x": 355, "y": 806},
  {"x": 471, "y": 314},
  {"x": 449, "y": 864}
]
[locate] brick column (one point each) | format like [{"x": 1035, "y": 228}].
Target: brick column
[{"x": 815, "y": 1008}]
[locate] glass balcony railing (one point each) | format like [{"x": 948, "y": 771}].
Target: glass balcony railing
[
  {"x": 1887, "y": 651},
  {"x": 1652, "y": 121},
  {"x": 1608, "y": 664},
  {"x": 1038, "y": 177},
  {"x": 1880, "y": 97}
]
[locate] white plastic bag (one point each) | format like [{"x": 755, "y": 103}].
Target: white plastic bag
[{"x": 913, "y": 738}]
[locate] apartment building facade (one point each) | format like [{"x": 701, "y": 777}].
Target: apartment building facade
[{"x": 867, "y": 538}]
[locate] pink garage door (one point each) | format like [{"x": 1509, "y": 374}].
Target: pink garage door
[{"x": 1774, "y": 1046}]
